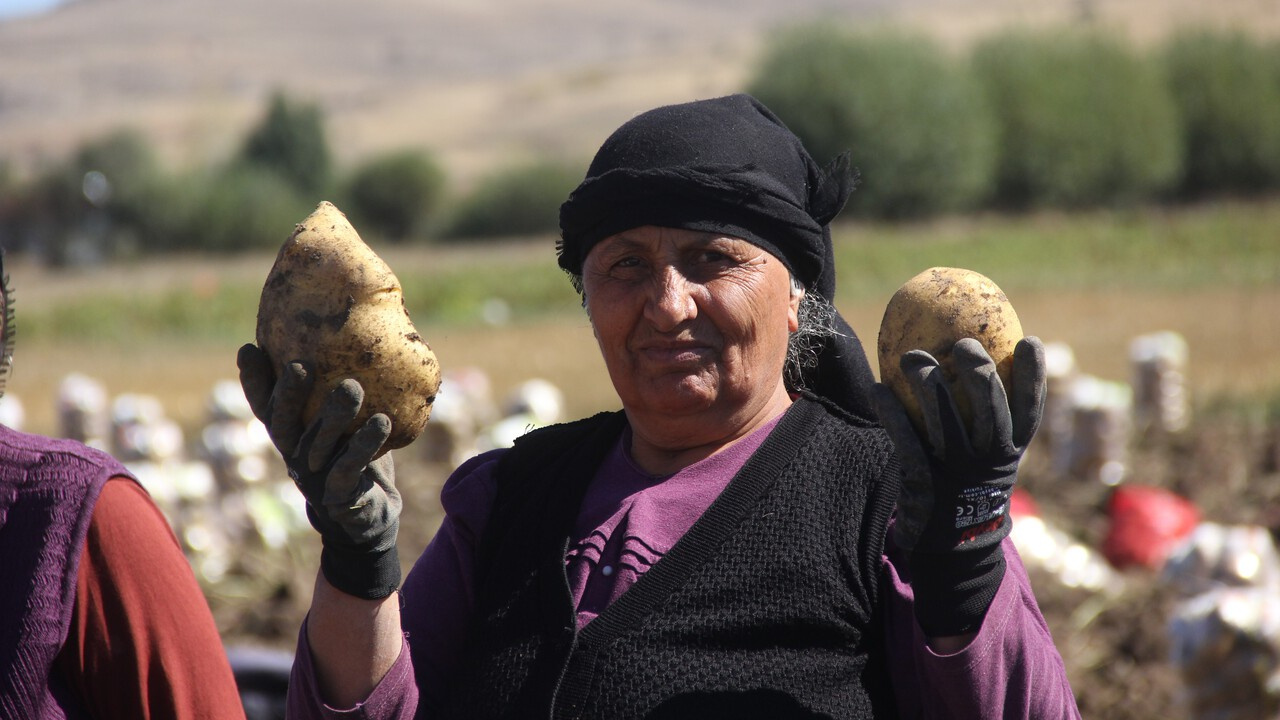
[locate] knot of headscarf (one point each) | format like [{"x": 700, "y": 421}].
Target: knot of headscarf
[{"x": 730, "y": 166}]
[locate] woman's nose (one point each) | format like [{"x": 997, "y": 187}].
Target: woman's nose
[{"x": 670, "y": 302}]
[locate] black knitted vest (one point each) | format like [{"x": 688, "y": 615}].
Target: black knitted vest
[{"x": 768, "y": 607}]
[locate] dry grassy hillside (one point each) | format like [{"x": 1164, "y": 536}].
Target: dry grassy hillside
[{"x": 480, "y": 82}]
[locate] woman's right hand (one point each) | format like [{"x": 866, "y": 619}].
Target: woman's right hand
[{"x": 350, "y": 491}]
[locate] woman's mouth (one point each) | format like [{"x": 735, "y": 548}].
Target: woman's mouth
[{"x": 680, "y": 353}]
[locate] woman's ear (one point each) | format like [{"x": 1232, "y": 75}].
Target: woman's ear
[{"x": 793, "y": 305}]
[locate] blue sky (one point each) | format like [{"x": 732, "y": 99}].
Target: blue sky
[{"x": 11, "y": 8}]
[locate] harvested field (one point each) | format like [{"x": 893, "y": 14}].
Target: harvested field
[
  {"x": 472, "y": 85},
  {"x": 1115, "y": 650}
]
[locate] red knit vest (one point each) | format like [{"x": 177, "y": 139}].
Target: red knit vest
[{"x": 48, "y": 488}]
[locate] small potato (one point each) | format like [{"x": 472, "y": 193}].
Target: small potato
[
  {"x": 934, "y": 310},
  {"x": 332, "y": 303}
]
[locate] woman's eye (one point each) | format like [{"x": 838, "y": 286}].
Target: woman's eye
[{"x": 626, "y": 267}]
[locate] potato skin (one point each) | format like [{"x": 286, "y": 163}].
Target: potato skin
[
  {"x": 934, "y": 310},
  {"x": 332, "y": 303}
]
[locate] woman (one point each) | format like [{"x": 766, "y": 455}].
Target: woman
[
  {"x": 720, "y": 547},
  {"x": 100, "y": 613}
]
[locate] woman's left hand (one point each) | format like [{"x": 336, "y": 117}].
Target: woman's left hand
[{"x": 953, "y": 507}]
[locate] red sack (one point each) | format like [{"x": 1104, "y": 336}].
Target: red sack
[
  {"x": 1145, "y": 525},
  {"x": 1021, "y": 504}
]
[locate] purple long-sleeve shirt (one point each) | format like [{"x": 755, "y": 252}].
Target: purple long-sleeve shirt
[{"x": 628, "y": 521}]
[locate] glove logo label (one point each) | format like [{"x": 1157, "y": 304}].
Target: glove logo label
[{"x": 980, "y": 509}]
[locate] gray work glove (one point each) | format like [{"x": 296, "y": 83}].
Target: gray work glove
[
  {"x": 351, "y": 498},
  {"x": 953, "y": 510}
]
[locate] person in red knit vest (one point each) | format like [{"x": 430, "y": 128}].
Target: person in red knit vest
[{"x": 100, "y": 613}]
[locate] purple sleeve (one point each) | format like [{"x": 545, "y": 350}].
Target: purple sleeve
[
  {"x": 437, "y": 601},
  {"x": 395, "y": 697},
  {"x": 438, "y": 592},
  {"x": 1012, "y": 669}
]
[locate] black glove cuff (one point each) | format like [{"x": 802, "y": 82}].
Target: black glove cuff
[
  {"x": 361, "y": 572},
  {"x": 954, "y": 589}
]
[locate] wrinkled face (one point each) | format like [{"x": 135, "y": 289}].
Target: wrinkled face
[{"x": 689, "y": 322}]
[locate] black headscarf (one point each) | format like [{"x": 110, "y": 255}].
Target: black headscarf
[{"x": 726, "y": 165}]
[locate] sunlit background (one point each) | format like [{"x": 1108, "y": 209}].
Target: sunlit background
[
  {"x": 18, "y": 8},
  {"x": 1113, "y": 165}
]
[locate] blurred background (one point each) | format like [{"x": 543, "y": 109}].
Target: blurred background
[{"x": 1114, "y": 165}]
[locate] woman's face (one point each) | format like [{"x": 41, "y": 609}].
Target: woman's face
[{"x": 691, "y": 324}]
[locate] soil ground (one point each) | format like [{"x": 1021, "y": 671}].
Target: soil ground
[{"x": 1116, "y": 649}]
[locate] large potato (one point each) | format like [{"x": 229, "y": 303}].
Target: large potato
[
  {"x": 332, "y": 303},
  {"x": 934, "y": 310}
]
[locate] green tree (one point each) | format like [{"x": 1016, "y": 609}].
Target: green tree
[
  {"x": 1227, "y": 89},
  {"x": 524, "y": 200},
  {"x": 912, "y": 117},
  {"x": 118, "y": 173},
  {"x": 396, "y": 195},
  {"x": 240, "y": 207},
  {"x": 92, "y": 206},
  {"x": 291, "y": 141},
  {"x": 1082, "y": 120}
]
